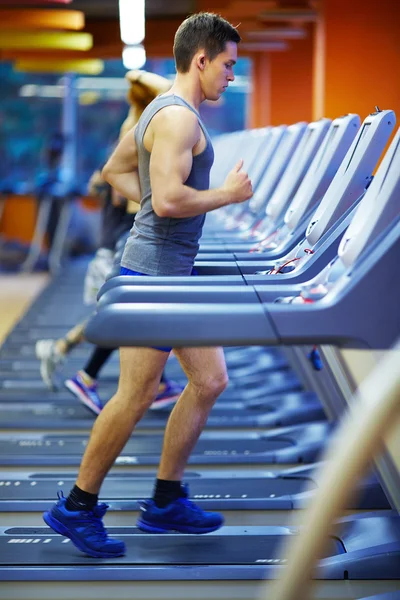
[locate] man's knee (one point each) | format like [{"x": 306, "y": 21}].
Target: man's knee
[
  {"x": 136, "y": 400},
  {"x": 211, "y": 384}
]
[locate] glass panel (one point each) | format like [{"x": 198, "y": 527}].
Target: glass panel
[
  {"x": 30, "y": 117},
  {"x": 31, "y": 110}
]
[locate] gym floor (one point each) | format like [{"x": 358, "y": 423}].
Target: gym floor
[{"x": 17, "y": 292}]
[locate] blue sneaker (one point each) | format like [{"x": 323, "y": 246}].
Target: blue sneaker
[
  {"x": 85, "y": 529},
  {"x": 182, "y": 515},
  {"x": 168, "y": 394},
  {"x": 87, "y": 394}
]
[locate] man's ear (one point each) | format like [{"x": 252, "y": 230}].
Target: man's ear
[{"x": 201, "y": 61}]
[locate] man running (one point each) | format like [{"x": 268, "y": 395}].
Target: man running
[{"x": 168, "y": 157}]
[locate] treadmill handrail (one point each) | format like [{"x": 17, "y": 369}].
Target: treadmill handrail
[
  {"x": 152, "y": 293},
  {"x": 146, "y": 324},
  {"x": 335, "y": 319}
]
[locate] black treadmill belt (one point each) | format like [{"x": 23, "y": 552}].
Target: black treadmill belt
[
  {"x": 76, "y": 416},
  {"x": 22, "y": 351},
  {"x": 302, "y": 443},
  {"x": 47, "y": 549},
  {"x": 141, "y": 445},
  {"x": 82, "y": 419},
  {"x": 280, "y": 379},
  {"x": 287, "y": 410},
  {"x": 22, "y": 360},
  {"x": 123, "y": 489},
  {"x": 20, "y": 390}
]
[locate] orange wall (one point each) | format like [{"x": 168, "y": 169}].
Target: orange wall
[
  {"x": 19, "y": 217},
  {"x": 259, "y": 107},
  {"x": 362, "y": 56},
  {"x": 283, "y": 84},
  {"x": 291, "y": 82}
]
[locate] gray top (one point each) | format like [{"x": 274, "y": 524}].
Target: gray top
[{"x": 165, "y": 245}]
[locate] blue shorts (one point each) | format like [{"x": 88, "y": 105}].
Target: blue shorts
[{"x": 125, "y": 271}]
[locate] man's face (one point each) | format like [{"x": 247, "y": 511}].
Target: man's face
[{"x": 219, "y": 72}]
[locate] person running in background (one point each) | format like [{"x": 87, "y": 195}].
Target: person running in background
[{"x": 118, "y": 216}]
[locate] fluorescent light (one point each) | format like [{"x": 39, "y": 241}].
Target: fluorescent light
[
  {"x": 277, "y": 46},
  {"x": 42, "y": 91},
  {"x": 102, "y": 83},
  {"x": 283, "y": 33},
  {"x": 133, "y": 57},
  {"x": 131, "y": 21},
  {"x": 28, "y": 90}
]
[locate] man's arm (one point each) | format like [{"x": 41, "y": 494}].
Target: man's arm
[
  {"x": 121, "y": 169},
  {"x": 176, "y": 131}
]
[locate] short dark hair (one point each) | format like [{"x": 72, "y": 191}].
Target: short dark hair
[{"x": 202, "y": 30}]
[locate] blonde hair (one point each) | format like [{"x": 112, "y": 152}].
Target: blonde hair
[{"x": 144, "y": 87}]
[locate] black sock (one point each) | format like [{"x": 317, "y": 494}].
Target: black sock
[
  {"x": 97, "y": 360},
  {"x": 80, "y": 500},
  {"x": 166, "y": 492}
]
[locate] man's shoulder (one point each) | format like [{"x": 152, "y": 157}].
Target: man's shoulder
[
  {"x": 175, "y": 119},
  {"x": 176, "y": 113}
]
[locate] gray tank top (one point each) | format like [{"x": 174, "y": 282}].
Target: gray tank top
[{"x": 165, "y": 245}]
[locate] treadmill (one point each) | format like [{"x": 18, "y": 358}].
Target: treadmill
[
  {"x": 253, "y": 223},
  {"x": 374, "y": 216},
  {"x": 339, "y": 145},
  {"x": 245, "y": 497},
  {"x": 312, "y": 189},
  {"x": 273, "y": 164},
  {"x": 327, "y": 222},
  {"x": 366, "y": 554}
]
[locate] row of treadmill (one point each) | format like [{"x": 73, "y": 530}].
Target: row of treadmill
[{"x": 300, "y": 286}]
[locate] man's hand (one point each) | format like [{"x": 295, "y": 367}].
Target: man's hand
[
  {"x": 238, "y": 184},
  {"x": 96, "y": 182}
]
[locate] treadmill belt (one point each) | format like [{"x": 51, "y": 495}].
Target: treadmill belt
[
  {"x": 32, "y": 492},
  {"x": 297, "y": 444},
  {"x": 34, "y": 390},
  {"x": 46, "y": 549},
  {"x": 73, "y": 415},
  {"x": 30, "y": 369},
  {"x": 58, "y": 446},
  {"x": 279, "y": 380},
  {"x": 136, "y": 489}
]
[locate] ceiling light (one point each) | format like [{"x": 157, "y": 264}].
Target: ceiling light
[
  {"x": 133, "y": 57},
  {"x": 132, "y": 21},
  {"x": 88, "y": 66}
]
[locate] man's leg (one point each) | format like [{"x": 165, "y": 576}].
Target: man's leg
[
  {"x": 207, "y": 376},
  {"x": 79, "y": 517},
  {"x": 170, "y": 508},
  {"x": 140, "y": 372}
]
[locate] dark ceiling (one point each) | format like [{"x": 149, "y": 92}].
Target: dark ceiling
[{"x": 108, "y": 9}]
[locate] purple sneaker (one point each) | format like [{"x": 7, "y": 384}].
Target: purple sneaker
[
  {"x": 168, "y": 393},
  {"x": 87, "y": 394}
]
